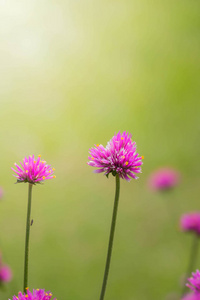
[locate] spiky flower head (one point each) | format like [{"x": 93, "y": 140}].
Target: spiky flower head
[
  {"x": 191, "y": 222},
  {"x": 194, "y": 285},
  {"x": 35, "y": 295},
  {"x": 164, "y": 179},
  {"x": 118, "y": 157},
  {"x": 33, "y": 170},
  {"x": 194, "y": 282}
]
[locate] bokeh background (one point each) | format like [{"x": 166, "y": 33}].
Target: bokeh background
[{"x": 73, "y": 73}]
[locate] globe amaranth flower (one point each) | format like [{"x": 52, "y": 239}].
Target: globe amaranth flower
[
  {"x": 118, "y": 157},
  {"x": 163, "y": 179},
  {"x": 191, "y": 222},
  {"x": 194, "y": 282},
  {"x": 35, "y": 295},
  {"x": 33, "y": 170},
  {"x": 5, "y": 273}
]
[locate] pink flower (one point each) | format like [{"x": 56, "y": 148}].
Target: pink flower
[
  {"x": 194, "y": 285},
  {"x": 163, "y": 179},
  {"x": 194, "y": 282},
  {"x": 191, "y": 296},
  {"x": 1, "y": 192},
  {"x": 33, "y": 170},
  {"x": 191, "y": 222},
  {"x": 36, "y": 295},
  {"x": 5, "y": 273},
  {"x": 118, "y": 157}
]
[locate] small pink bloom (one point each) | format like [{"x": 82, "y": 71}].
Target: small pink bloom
[
  {"x": 1, "y": 192},
  {"x": 33, "y": 170},
  {"x": 163, "y": 179},
  {"x": 118, "y": 157},
  {"x": 194, "y": 282},
  {"x": 35, "y": 295},
  {"x": 191, "y": 222},
  {"x": 192, "y": 296},
  {"x": 5, "y": 273}
]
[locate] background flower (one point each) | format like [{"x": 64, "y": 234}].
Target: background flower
[
  {"x": 5, "y": 273},
  {"x": 1, "y": 192},
  {"x": 191, "y": 296},
  {"x": 163, "y": 179},
  {"x": 194, "y": 282},
  {"x": 191, "y": 222},
  {"x": 194, "y": 285}
]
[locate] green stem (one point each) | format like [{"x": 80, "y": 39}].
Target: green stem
[
  {"x": 192, "y": 260},
  {"x": 28, "y": 224},
  {"x": 112, "y": 231}
]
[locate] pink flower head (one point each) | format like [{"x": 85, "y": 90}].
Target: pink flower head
[
  {"x": 194, "y": 282},
  {"x": 36, "y": 295},
  {"x": 163, "y": 179},
  {"x": 33, "y": 170},
  {"x": 191, "y": 222},
  {"x": 118, "y": 157},
  {"x": 5, "y": 273}
]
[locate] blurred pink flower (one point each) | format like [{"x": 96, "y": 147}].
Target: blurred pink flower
[
  {"x": 194, "y": 285},
  {"x": 5, "y": 273},
  {"x": 1, "y": 192},
  {"x": 118, "y": 157},
  {"x": 191, "y": 296},
  {"x": 191, "y": 222},
  {"x": 194, "y": 282},
  {"x": 163, "y": 179},
  {"x": 36, "y": 295},
  {"x": 33, "y": 170}
]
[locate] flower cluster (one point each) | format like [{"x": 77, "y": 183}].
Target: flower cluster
[
  {"x": 33, "y": 170},
  {"x": 191, "y": 222},
  {"x": 36, "y": 295},
  {"x": 118, "y": 157},
  {"x": 163, "y": 179},
  {"x": 5, "y": 272}
]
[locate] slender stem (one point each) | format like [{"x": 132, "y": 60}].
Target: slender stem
[
  {"x": 192, "y": 259},
  {"x": 112, "y": 231},
  {"x": 28, "y": 224}
]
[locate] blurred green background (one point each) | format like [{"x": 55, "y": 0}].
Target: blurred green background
[{"x": 73, "y": 73}]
